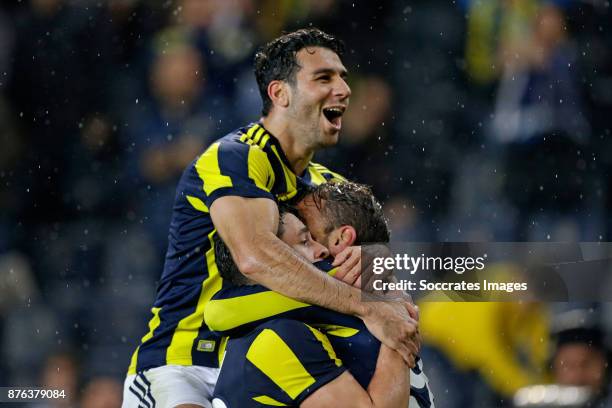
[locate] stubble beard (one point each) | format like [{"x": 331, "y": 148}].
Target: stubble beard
[{"x": 306, "y": 124}]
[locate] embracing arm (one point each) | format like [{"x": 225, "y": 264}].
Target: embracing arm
[
  {"x": 238, "y": 309},
  {"x": 248, "y": 227}
]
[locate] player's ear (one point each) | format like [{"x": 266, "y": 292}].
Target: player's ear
[
  {"x": 349, "y": 235},
  {"x": 342, "y": 237},
  {"x": 278, "y": 93}
]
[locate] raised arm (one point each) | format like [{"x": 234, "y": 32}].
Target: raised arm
[{"x": 248, "y": 227}]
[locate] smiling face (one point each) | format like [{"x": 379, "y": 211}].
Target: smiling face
[
  {"x": 318, "y": 97},
  {"x": 296, "y": 235}
]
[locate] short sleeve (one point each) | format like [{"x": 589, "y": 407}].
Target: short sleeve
[{"x": 234, "y": 169}]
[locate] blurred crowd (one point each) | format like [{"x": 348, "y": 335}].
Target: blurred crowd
[{"x": 474, "y": 120}]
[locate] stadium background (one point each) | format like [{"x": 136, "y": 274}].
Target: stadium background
[{"x": 474, "y": 120}]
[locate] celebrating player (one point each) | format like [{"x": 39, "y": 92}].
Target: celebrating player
[{"x": 232, "y": 189}]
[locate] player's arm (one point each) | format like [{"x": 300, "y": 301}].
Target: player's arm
[
  {"x": 389, "y": 387},
  {"x": 236, "y": 310},
  {"x": 248, "y": 226}
]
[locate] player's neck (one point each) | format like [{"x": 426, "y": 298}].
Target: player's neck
[{"x": 296, "y": 153}]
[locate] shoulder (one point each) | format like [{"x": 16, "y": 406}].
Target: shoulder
[
  {"x": 239, "y": 141},
  {"x": 231, "y": 147},
  {"x": 325, "y": 172}
]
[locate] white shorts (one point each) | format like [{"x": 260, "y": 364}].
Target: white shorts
[{"x": 169, "y": 386}]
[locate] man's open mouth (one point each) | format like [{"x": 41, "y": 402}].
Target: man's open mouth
[{"x": 333, "y": 115}]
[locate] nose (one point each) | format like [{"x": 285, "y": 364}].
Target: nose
[
  {"x": 320, "y": 252},
  {"x": 343, "y": 90}
]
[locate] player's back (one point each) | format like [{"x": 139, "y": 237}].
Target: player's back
[{"x": 188, "y": 276}]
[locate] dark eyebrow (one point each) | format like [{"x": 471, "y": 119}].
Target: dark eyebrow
[
  {"x": 343, "y": 72},
  {"x": 303, "y": 230}
]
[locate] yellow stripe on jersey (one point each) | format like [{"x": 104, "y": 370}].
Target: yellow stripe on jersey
[
  {"x": 252, "y": 130},
  {"x": 153, "y": 324},
  {"x": 326, "y": 345},
  {"x": 290, "y": 179},
  {"x": 248, "y": 136},
  {"x": 335, "y": 330},
  {"x": 258, "y": 135},
  {"x": 208, "y": 169},
  {"x": 264, "y": 140},
  {"x": 265, "y": 400},
  {"x": 324, "y": 170},
  {"x": 222, "y": 347},
  {"x": 197, "y": 203},
  {"x": 186, "y": 332},
  {"x": 260, "y": 169},
  {"x": 315, "y": 176},
  {"x": 226, "y": 314},
  {"x": 246, "y": 140},
  {"x": 273, "y": 357}
]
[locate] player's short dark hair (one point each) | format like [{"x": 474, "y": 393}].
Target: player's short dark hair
[
  {"x": 227, "y": 267},
  {"x": 354, "y": 204},
  {"x": 225, "y": 262},
  {"x": 277, "y": 59}
]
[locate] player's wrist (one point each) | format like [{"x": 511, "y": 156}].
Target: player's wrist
[{"x": 365, "y": 307}]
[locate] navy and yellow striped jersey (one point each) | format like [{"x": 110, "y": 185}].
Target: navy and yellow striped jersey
[
  {"x": 248, "y": 162},
  {"x": 280, "y": 363}
]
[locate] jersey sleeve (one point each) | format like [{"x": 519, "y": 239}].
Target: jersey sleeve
[
  {"x": 229, "y": 168},
  {"x": 238, "y": 309},
  {"x": 328, "y": 175}
]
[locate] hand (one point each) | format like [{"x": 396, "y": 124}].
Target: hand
[
  {"x": 348, "y": 262},
  {"x": 413, "y": 311},
  {"x": 411, "y": 308},
  {"x": 391, "y": 323}
]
